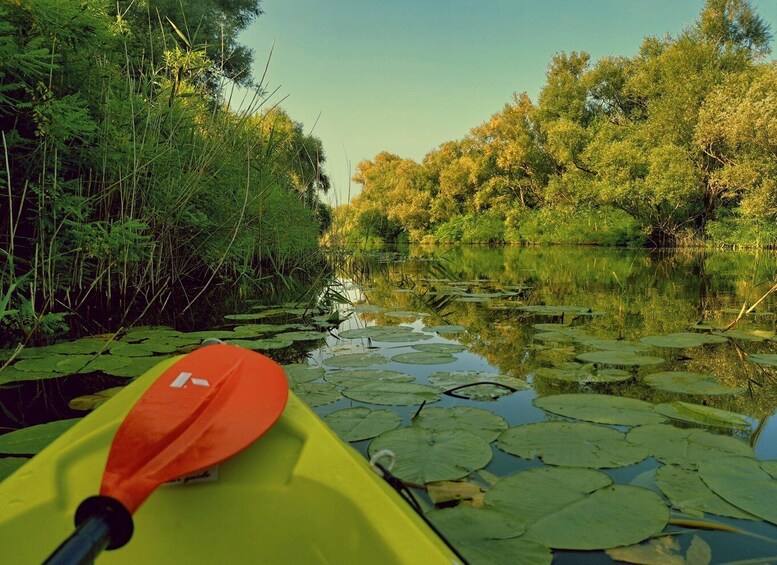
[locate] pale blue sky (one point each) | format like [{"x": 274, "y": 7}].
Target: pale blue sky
[{"x": 407, "y": 75}]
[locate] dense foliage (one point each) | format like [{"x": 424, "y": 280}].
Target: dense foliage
[
  {"x": 127, "y": 181},
  {"x": 677, "y": 144}
]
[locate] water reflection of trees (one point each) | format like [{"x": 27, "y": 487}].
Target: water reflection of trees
[{"x": 640, "y": 292}]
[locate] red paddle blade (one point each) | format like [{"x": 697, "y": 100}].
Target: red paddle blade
[{"x": 205, "y": 408}]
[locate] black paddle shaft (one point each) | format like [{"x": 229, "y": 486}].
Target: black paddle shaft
[{"x": 102, "y": 522}]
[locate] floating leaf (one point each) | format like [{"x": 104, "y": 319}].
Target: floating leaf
[
  {"x": 368, "y": 308},
  {"x": 583, "y": 374},
  {"x": 302, "y": 373},
  {"x": 262, "y": 344},
  {"x": 13, "y": 375},
  {"x": 682, "y": 340},
  {"x": 392, "y": 393},
  {"x": 482, "y": 423},
  {"x": 601, "y": 408},
  {"x": 446, "y": 330},
  {"x": 572, "y": 444},
  {"x": 45, "y": 365},
  {"x": 456, "y": 491},
  {"x": 422, "y": 358},
  {"x": 31, "y": 440},
  {"x": 699, "y": 414},
  {"x": 769, "y": 359},
  {"x": 747, "y": 335},
  {"x": 688, "y": 493},
  {"x": 743, "y": 482},
  {"x": 560, "y": 337},
  {"x": 92, "y": 401},
  {"x": 686, "y": 382},
  {"x": 685, "y": 447},
  {"x": 403, "y": 314},
  {"x": 439, "y": 347},
  {"x": 424, "y": 457},
  {"x": 255, "y": 330},
  {"x": 365, "y": 376},
  {"x": 664, "y": 550},
  {"x": 405, "y": 337},
  {"x": 488, "y": 536},
  {"x": 304, "y": 335},
  {"x": 134, "y": 350},
  {"x": 360, "y": 422},
  {"x": 107, "y": 363},
  {"x": 372, "y": 331},
  {"x": 535, "y": 493},
  {"x": 356, "y": 360},
  {"x": 446, "y": 381},
  {"x": 612, "y": 516},
  {"x": 619, "y": 358},
  {"x": 317, "y": 394},
  {"x": 9, "y": 464},
  {"x": 250, "y": 317},
  {"x": 137, "y": 366}
]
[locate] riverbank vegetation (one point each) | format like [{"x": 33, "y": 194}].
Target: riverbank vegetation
[
  {"x": 129, "y": 185},
  {"x": 674, "y": 146}
]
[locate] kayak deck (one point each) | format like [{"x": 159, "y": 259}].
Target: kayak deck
[{"x": 296, "y": 495}]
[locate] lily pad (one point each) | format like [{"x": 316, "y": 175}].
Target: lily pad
[
  {"x": 601, "y": 408},
  {"x": 304, "y": 335},
  {"x": 571, "y": 444},
  {"x": 482, "y": 423},
  {"x": 448, "y": 380},
  {"x": 364, "y": 376},
  {"x": 360, "y": 422},
  {"x": 619, "y": 358},
  {"x": 560, "y": 337},
  {"x": 262, "y": 344},
  {"x": 439, "y": 347},
  {"x": 373, "y": 331},
  {"x": 392, "y": 393},
  {"x": 682, "y": 340},
  {"x": 137, "y": 366},
  {"x": 612, "y": 516},
  {"x": 583, "y": 374},
  {"x": 406, "y": 314},
  {"x": 699, "y": 414},
  {"x": 538, "y": 492},
  {"x": 106, "y": 363},
  {"x": 685, "y": 448},
  {"x": 33, "y": 439},
  {"x": 302, "y": 373},
  {"x": 406, "y": 337},
  {"x": 488, "y": 536},
  {"x": 748, "y": 335},
  {"x": 423, "y": 358},
  {"x": 13, "y": 375},
  {"x": 769, "y": 359},
  {"x": 135, "y": 350},
  {"x": 743, "y": 482},
  {"x": 689, "y": 494},
  {"x": 423, "y": 456},
  {"x": 9, "y": 464},
  {"x": 92, "y": 401},
  {"x": 317, "y": 394},
  {"x": 356, "y": 360},
  {"x": 45, "y": 365},
  {"x": 446, "y": 329},
  {"x": 664, "y": 550},
  {"x": 686, "y": 382}
]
